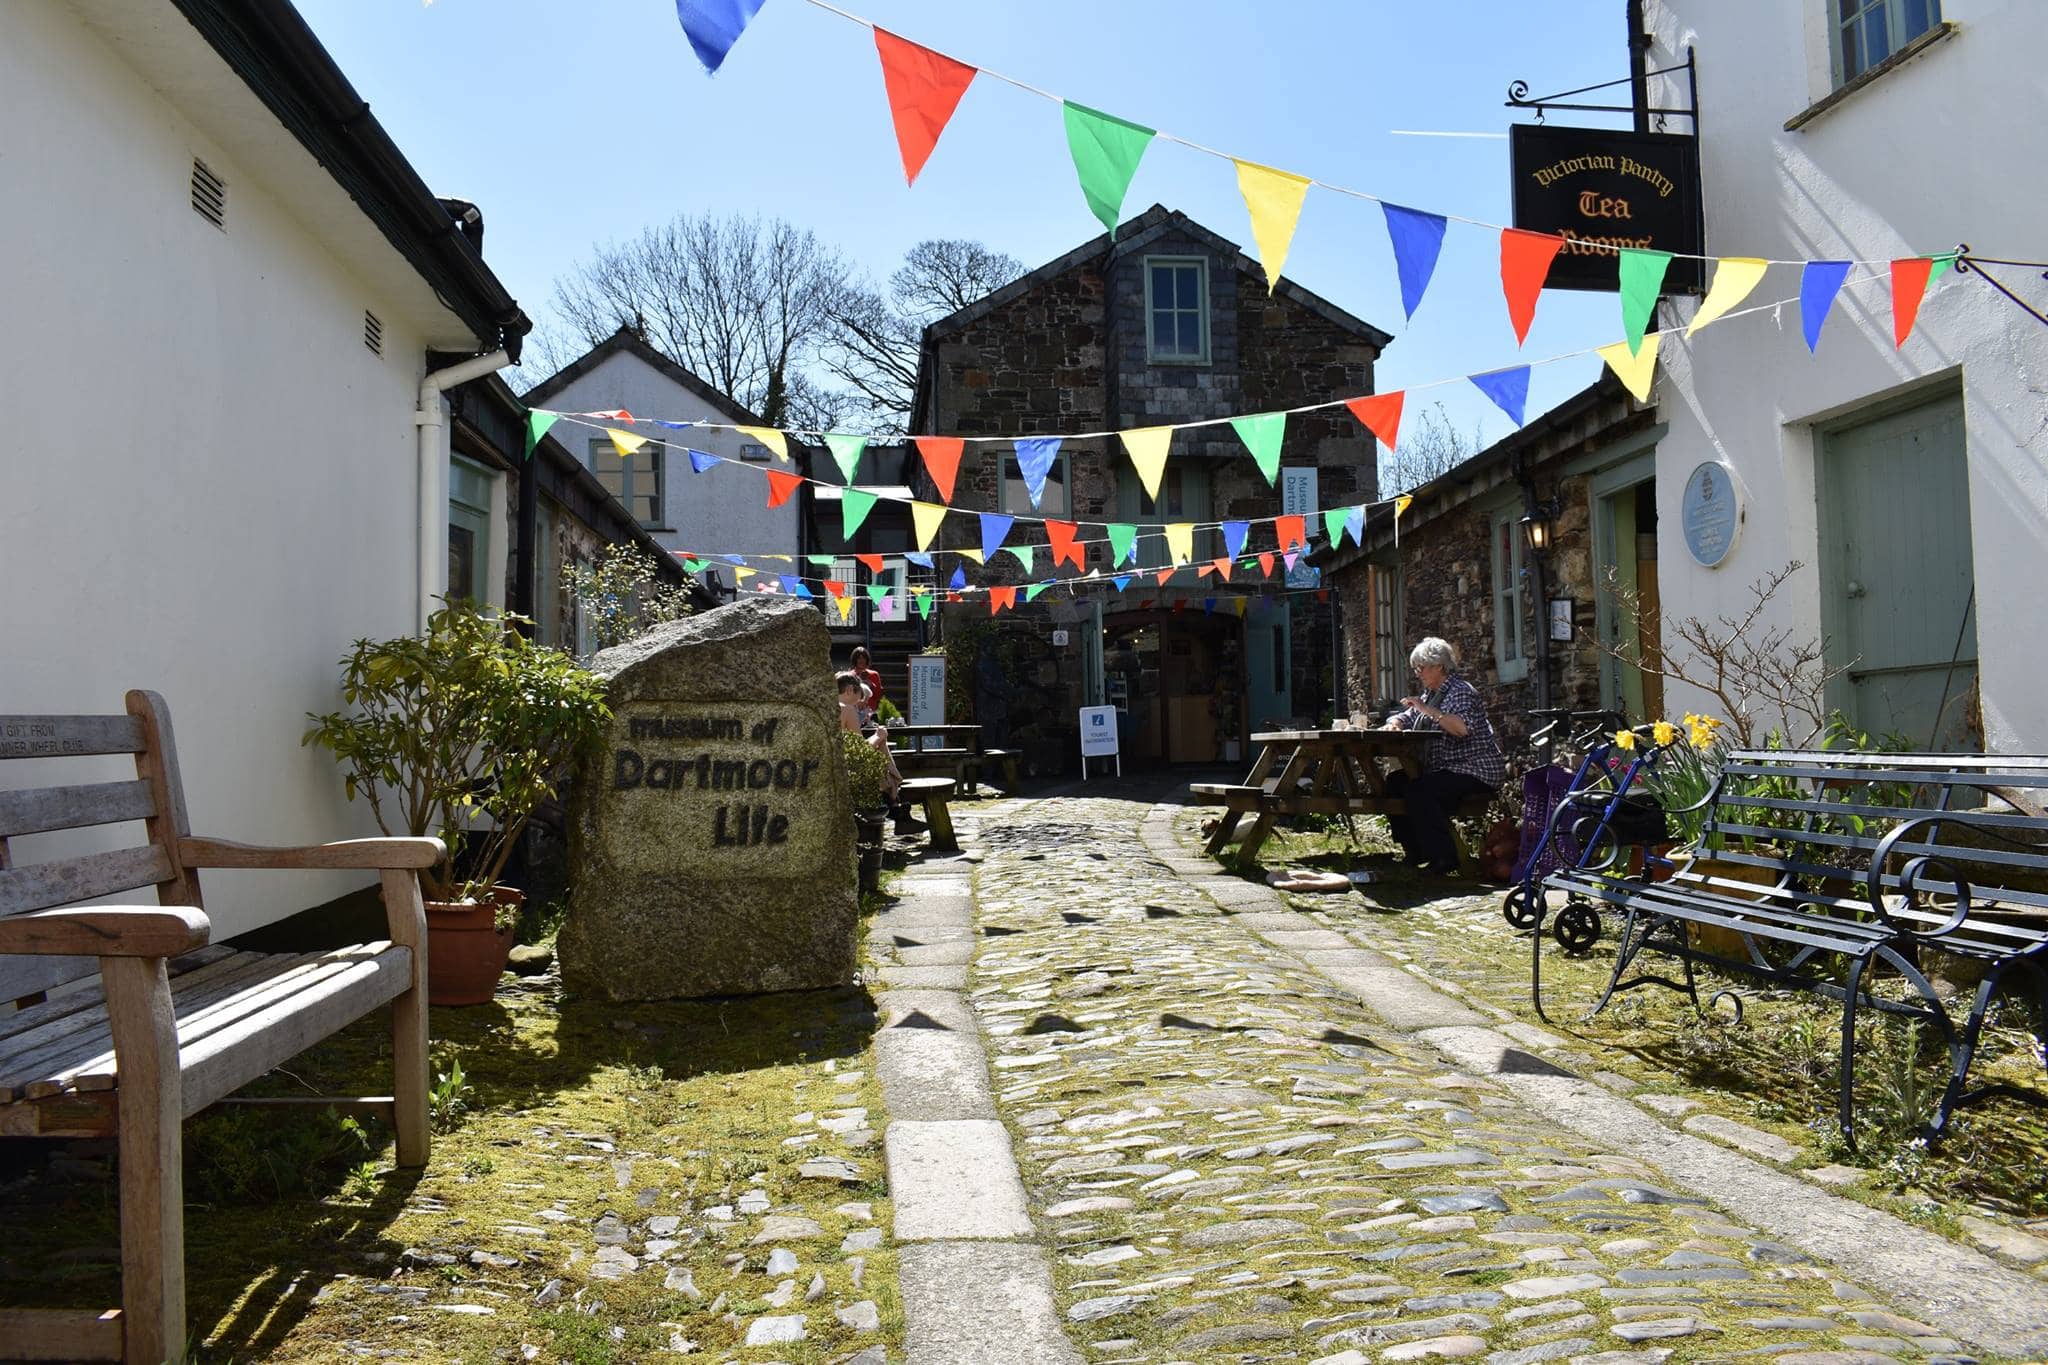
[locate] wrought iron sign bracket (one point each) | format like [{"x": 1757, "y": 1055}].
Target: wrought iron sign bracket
[{"x": 1518, "y": 96}]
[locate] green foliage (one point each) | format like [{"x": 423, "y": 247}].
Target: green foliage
[
  {"x": 245, "y": 1154},
  {"x": 1680, "y": 778},
  {"x": 887, "y": 713},
  {"x": 448, "y": 1098},
  {"x": 864, "y": 770},
  {"x": 461, "y": 735},
  {"x": 622, "y": 596}
]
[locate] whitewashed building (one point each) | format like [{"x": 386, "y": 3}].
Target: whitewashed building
[
  {"x": 1912, "y": 483},
  {"x": 230, "y": 305},
  {"x": 720, "y": 511}
]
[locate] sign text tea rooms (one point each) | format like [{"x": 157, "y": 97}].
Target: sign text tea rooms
[{"x": 734, "y": 823}]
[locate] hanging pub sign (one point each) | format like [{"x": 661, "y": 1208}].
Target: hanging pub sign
[{"x": 1604, "y": 188}]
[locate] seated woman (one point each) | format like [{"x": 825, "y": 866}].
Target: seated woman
[
  {"x": 1463, "y": 760},
  {"x": 854, "y": 704}
]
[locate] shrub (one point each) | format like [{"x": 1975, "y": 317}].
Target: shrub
[{"x": 864, "y": 770}]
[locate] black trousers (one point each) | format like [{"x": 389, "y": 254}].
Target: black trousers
[{"x": 1425, "y": 831}]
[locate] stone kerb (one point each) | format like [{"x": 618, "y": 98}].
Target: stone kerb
[{"x": 711, "y": 844}]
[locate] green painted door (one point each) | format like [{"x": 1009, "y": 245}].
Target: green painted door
[
  {"x": 1896, "y": 583},
  {"x": 1267, "y": 644}
]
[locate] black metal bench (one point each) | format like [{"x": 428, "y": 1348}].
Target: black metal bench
[{"x": 1863, "y": 861}]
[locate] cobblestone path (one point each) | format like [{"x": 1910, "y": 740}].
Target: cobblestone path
[{"x": 1230, "y": 1159}]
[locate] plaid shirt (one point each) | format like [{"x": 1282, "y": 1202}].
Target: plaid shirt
[{"x": 1478, "y": 753}]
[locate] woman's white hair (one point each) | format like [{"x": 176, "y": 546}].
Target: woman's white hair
[{"x": 1433, "y": 652}]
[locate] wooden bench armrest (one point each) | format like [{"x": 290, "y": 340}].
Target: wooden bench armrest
[
  {"x": 348, "y": 853},
  {"x": 107, "y": 931}
]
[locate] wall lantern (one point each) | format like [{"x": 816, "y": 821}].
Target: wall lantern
[{"x": 1536, "y": 526}]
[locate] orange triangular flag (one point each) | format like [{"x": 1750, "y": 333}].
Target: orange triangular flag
[
  {"x": 780, "y": 485},
  {"x": 924, "y": 89},
  {"x": 1381, "y": 414},
  {"x": 998, "y": 598},
  {"x": 835, "y": 587},
  {"x": 1061, "y": 534},
  {"x": 1204, "y": 570},
  {"x": 1909, "y": 286},
  {"x": 1162, "y": 576},
  {"x": 874, "y": 562},
  {"x": 1524, "y": 263},
  {"x": 1292, "y": 531},
  {"x": 941, "y": 461},
  {"x": 1222, "y": 566},
  {"x": 1266, "y": 562}
]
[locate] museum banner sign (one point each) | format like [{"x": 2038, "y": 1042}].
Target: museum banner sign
[{"x": 1605, "y": 188}]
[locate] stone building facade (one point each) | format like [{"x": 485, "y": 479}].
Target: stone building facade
[{"x": 1087, "y": 343}]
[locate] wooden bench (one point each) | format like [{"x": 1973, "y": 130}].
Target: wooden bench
[
  {"x": 933, "y": 793},
  {"x": 1870, "y": 860},
  {"x": 992, "y": 761},
  {"x": 121, "y": 1021},
  {"x": 952, "y": 763}
]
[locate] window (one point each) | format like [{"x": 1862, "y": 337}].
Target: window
[
  {"x": 1868, "y": 31},
  {"x": 1183, "y": 496},
  {"x": 469, "y": 531},
  {"x": 1054, "y": 502},
  {"x": 895, "y": 573},
  {"x": 1510, "y": 598},
  {"x": 1389, "y": 664},
  {"x": 753, "y": 450},
  {"x": 1177, "y": 310},
  {"x": 635, "y": 481}
]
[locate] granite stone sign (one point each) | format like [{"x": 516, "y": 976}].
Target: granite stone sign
[{"x": 711, "y": 844}]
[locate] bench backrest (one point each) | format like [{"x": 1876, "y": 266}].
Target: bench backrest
[
  {"x": 154, "y": 797},
  {"x": 1825, "y": 814}
]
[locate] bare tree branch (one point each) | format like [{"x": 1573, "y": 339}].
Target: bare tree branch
[{"x": 1428, "y": 448}]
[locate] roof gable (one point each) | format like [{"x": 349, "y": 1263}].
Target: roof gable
[{"x": 627, "y": 342}]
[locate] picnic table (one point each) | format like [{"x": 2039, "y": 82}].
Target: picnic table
[
  {"x": 1307, "y": 772},
  {"x": 958, "y": 750}
]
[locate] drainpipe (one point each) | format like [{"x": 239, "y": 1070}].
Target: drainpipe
[{"x": 432, "y": 422}]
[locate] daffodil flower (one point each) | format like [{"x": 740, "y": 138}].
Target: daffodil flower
[
  {"x": 1624, "y": 739},
  {"x": 1663, "y": 732}
]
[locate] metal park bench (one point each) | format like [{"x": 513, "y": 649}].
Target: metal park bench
[
  {"x": 124, "y": 1021},
  {"x": 1868, "y": 861}
]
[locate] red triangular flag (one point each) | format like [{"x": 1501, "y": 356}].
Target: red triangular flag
[
  {"x": 1162, "y": 576},
  {"x": 924, "y": 89},
  {"x": 998, "y": 598},
  {"x": 1266, "y": 562},
  {"x": 1179, "y": 605},
  {"x": 1524, "y": 263},
  {"x": 1292, "y": 531},
  {"x": 874, "y": 562},
  {"x": 781, "y": 485},
  {"x": 1204, "y": 570},
  {"x": 1222, "y": 566},
  {"x": 1381, "y": 415},
  {"x": 941, "y": 461},
  {"x": 835, "y": 587},
  {"x": 1061, "y": 534},
  {"x": 1909, "y": 286}
]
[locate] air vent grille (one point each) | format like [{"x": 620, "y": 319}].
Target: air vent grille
[
  {"x": 209, "y": 194},
  {"x": 373, "y": 333}
]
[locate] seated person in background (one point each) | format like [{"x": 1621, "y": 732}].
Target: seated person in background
[
  {"x": 1464, "y": 758},
  {"x": 853, "y": 715},
  {"x": 862, "y": 667}
]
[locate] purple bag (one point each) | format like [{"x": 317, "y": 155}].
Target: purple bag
[{"x": 1543, "y": 789}]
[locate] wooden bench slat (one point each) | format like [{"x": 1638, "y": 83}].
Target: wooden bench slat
[
  {"x": 74, "y": 1009},
  {"x": 87, "y": 993},
  {"x": 1223, "y": 789},
  {"x": 61, "y": 1334},
  {"x": 69, "y": 736},
  {"x": 94, "y": 803},
  {"x": 67, "y": 880}
]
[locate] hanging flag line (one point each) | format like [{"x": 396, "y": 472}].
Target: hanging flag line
[{"x": 939, "y": 110}]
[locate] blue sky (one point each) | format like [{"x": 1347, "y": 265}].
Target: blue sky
[{"x": 578, "y": 123}]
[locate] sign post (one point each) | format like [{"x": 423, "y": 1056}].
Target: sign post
[
  {"x": 1602, "y": 189},
  {"x": 927, "y": 689},
  {"x": 1098, "y": 737},
  {"x": 1298, "y": 498}
]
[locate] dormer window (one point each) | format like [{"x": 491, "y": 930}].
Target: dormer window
[{"x": 1177, "y": 310}]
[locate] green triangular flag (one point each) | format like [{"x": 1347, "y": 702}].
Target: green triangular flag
[
  {"x": 1333, "y": 524},
  {"x": 1940, "y": 266},
  {"x": 1106, "y": 153},
  {"x": 822, "y": 561},
  {"x": 1642, "y": 279},
  {"x": 1262, "y": 433},
  {"x": 846, "y": 451},
  {"x": 538, "y": 422},
  {"x": 876, "y": 592},
  {"x": 924, "y": 605},
  {"x": 1023, "y": 553},
  {"x": 693, "y": 566},
  {"x": 1121, "y": 538},
  {"x": 854, "y": 506},
  {"x": 1031, "y": 592}
]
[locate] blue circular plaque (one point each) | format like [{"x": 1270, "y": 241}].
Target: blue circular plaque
[{"x": 1711, "y": 513}]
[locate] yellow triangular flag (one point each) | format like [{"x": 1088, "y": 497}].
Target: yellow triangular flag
[
  {"x": 770, "y": 437},
  {"x": 845, "y": 605},
  {"x": 926, "y": 516},
  {"x": 625, "y": 442},
  {"x": 1634, "y": 371},
  {"x": 1180, "y": 541},
  {"x": 1147, "y": 448},
  {"x": 741, "y": 573},
  {"x": 786, "y": 559},
  {"x": 1274, "y": 201},
  {"x": 1734, "y": 277},
  {"x": 1402, "y": 504},
  {"x": 1239, "y": 604},
  {"x": 975, "y": 555}
]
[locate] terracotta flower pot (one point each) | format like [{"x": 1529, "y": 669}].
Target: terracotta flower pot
[{"x": 466, "y": 950}]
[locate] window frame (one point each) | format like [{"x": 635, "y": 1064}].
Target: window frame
[
  {"x": 1151, "y": 542},
  {"x": 469, "y": 509},
  {"x": 1896, "y": 38},
  {"x": 1508, "y": 590},
  {"x": 1201, "y": 310},
  {"x": 1061, "y": 473},
  {"x": 1390, "y": 662},
  {"x": 657, "y": 453}
]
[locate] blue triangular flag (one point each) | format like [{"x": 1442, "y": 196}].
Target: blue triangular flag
[
  {"x": 1417, "y": 238},
  {"x": 713, "y": 26},
  {"x": 701, "y": 460},
  {"x": 1234, "y": 533},
  {"x": 1122, "y": 580},
  {"x": 1509, "y": 389},
  {"x": 802, "y": 590},
  {"x": 1208, "y": 604},
  {"x": 1035, "y": 455},
  {"x": 959, "y": 578},
  {"x": 734, "y": 559},
  {"x": 1819, "y": 282},
  {"x": 790, "y": 582},
  {"x": 1354, "y": 524},
  {"x": 674, "y": 426},
  {"x": 994, "y": 526},
  {"x": 920, "y": 558}
]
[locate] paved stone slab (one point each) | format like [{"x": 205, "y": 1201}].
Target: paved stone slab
[
  {"x": 980, "y": 1303},
  {"x": 932, "y": 978},
  {"x": 926, "y": 1009},
  {"x": 956, "y": 953},
  {"x": 932, "y": 1074},
  {"x": 1280, "y": 921},
  {"x": 926, "y": 910},
  {"x": 1396, "y": 996},
  {"x": 1754, "y": 1141},
  {"x": 1299, "y": 940},
  {"x": 954, "y": 1180}
]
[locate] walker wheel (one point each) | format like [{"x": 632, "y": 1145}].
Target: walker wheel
[
  {"x": 1599, "y": 848},
  {"x": 1523, "y": 906},
  {"x": 1577, "y": 927}
]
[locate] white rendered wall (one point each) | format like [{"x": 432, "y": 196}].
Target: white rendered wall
[
  {"x": 1943, "y": 150},
  {"x": 209, "y": 480},
  {"x": 721, "y": 511}
]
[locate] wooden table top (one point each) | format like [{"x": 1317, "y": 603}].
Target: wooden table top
[{"x": 1392, "y": 739}]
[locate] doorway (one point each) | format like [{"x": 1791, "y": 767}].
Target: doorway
[
  {"x": 1268, "y": 645},
  {"x": 1627, "y": 613},
  {"x": 1898, "y": 594},
  {"x": 1180, "y": 678}
]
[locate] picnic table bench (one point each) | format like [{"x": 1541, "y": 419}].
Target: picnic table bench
[
  {"x": 933, "y": 793},
  {"x": 979, "y": 765},
  {"x": 124, "y": 1021},
  {"x": 1871, "y": 860}
]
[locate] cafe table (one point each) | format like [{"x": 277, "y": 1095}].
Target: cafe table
[{"x": 1309, "y": 772}]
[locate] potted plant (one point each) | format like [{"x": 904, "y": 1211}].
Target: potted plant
[
  {"x": 462, "y": 734},
  {"x": 864, "y": 772}
]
